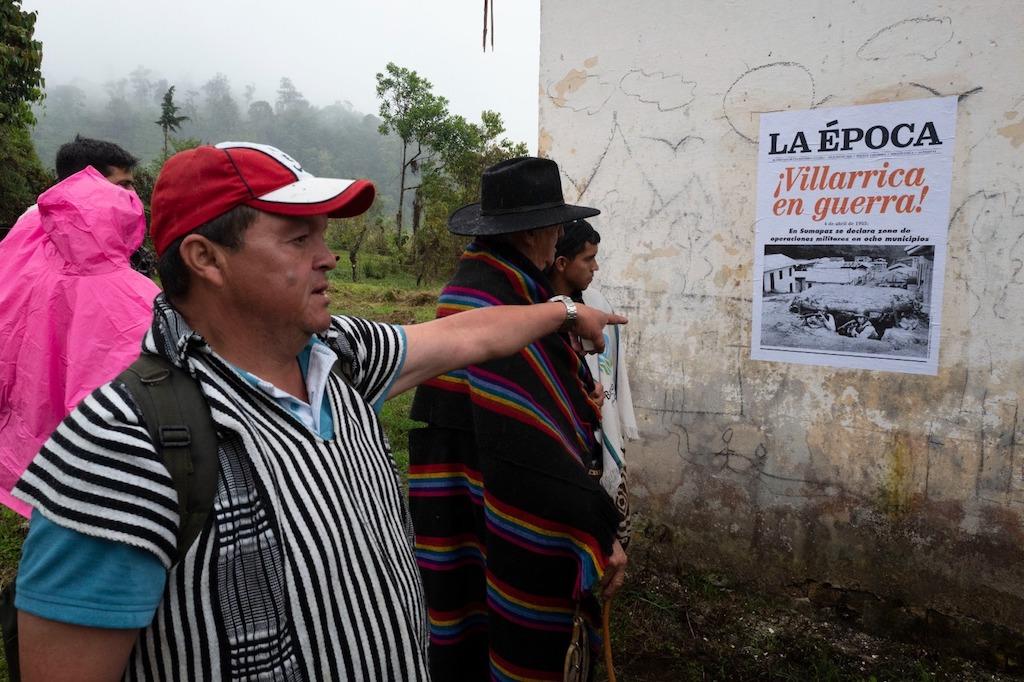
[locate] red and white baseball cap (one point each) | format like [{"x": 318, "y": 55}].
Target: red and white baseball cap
[{"x": 198, "y": 185}]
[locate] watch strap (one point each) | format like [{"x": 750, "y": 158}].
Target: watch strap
[{"x": 571, "y": 312}]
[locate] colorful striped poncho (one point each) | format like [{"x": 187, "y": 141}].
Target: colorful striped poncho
[{"x": 511, "y": 533}]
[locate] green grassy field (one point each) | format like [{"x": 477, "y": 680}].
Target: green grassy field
[
  {"x": 12, "y": 534},
  {"x": 397, "y": 300}
]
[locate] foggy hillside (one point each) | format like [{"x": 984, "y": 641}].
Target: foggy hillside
[{"x": 334, "y": 140}]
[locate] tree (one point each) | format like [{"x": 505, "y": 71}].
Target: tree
[
  {"x": 146, "y": 174},
  {"x": 453, "y": 180},
  {"x": 144, "y": 259},
  {"x": 169, "y": 120},
  {"x": 350, "y": 234},
  {"x": 249, "y": 94},
  {"x": 119, "y": 122},
  {"x": 295, "y": 126},
  {"x": 260, "y": 121},
  {"x": 142, "y": 85},
  {"x": 452, "y": 139},
  {"x": 411, "y": 111},
  {"x": 487, "y": 149},
  {"x": 21, "y": 175},
  {"x": 222, "y": 117},
  {"x": 289, "y": 98},
  {"x": 20, "y": 59}
]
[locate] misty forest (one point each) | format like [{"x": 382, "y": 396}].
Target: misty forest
[
  {"x": 334, "y": 140},
  {"x": 413, "y": 147}
]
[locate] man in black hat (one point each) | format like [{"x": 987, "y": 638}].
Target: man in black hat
[{"x": 513, "y": 538}]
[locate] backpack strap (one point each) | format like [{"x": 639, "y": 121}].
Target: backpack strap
[
  {"x": 344, "y": 366},
  {"x": 178, "y": 419},
  {"x": 343, "y": 371}
]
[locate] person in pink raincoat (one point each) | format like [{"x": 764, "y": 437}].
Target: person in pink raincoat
[{"x": 72, "y": 310}]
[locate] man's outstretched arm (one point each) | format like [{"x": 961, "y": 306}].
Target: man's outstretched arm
[{"x": 475, "y": 336}]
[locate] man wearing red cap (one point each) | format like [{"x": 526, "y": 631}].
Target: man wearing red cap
[{"x": 304, "y": 569}]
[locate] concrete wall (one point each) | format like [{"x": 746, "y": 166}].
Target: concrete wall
[{"x": 906, "y": 488}]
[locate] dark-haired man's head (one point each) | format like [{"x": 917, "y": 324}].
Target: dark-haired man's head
[
  {"x": 575, "y": 258},
  {"x": 108, "y": 158}
]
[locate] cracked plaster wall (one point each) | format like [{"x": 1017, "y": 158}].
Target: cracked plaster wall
[{"x": 908, "y": 486}]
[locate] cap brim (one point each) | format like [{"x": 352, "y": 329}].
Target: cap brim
[
  {"x": 335, "y": 197},
  {"x": 470, "y": 221}
]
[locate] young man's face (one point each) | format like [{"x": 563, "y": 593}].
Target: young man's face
[
  {"x": 579, "y": 272},
  {"x": 279, "y": 273},
  {"x": 121, "y": 177}
]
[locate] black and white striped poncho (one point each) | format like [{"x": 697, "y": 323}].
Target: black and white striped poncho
[{"x": 304, "y": 570}]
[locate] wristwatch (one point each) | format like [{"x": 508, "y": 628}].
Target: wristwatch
[{"x": 570, "y": 312}]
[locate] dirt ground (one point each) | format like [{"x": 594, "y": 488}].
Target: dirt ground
[
  {"x": 676, "y": 623},
  {"x": 782, "y": 328}
]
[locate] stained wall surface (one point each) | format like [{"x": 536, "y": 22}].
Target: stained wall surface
[{"x": 907, "y": 487}]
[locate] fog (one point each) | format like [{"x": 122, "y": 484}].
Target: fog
[{"x": 330, "y": 50}]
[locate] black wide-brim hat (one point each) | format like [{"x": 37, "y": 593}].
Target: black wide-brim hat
[{"x": 515, "y": 195}]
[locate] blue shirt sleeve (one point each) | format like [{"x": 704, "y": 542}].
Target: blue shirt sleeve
[{"x": 70, "y": 577}]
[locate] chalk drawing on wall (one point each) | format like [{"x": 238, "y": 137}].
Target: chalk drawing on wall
[
  {"x": 677, "y": 145},
  {"x": 756, "y": 91},
  {"x": 668, "y": 92},
  {"x": 916, "y": 37},
  {"x": 617, "y": 168},
  {"x": 981, "y": 218},
  {"x": 582, "y": 182}
]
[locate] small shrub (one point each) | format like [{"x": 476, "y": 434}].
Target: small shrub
[{"x": 374, "y": 267}]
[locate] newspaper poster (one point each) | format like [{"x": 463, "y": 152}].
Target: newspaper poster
[{"x": 850, "y": 248}]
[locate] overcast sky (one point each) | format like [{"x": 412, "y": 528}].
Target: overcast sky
[{"x": 330, "y": 49}]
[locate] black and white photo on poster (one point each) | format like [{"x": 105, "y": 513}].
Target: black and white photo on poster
[
  {"x": 840, "y": 299},
  {"x": 851, "y": 231}
]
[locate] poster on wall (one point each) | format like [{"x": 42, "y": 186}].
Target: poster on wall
[{"x": 852, "y": 222}]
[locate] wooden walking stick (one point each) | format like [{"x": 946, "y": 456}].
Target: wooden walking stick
[{"x": 609, "y": 664}]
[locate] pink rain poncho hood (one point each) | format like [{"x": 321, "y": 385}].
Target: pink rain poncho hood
[{"x": 72, "y": 311}]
